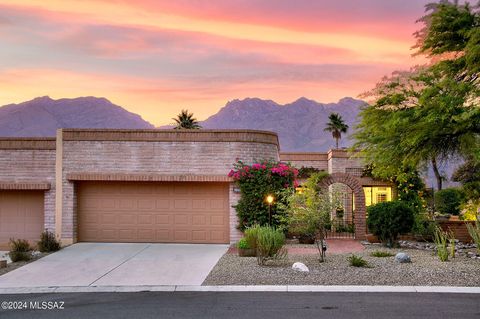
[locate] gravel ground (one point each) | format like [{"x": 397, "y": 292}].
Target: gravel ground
[
  {"x": 424, "y": 270},
  {"x": 18, "y": 264}
]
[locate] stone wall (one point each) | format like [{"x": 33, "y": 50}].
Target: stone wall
[{"x": 29, "y": 164}]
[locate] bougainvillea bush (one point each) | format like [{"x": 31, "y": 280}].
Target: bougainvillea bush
[{"x": 256, "y": 182}]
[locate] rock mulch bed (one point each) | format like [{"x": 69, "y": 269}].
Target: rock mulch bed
[
  {"x": 424, "y": 270},
  {"x": 463, "y": 249},
  {"x": 18, "y": 264}
]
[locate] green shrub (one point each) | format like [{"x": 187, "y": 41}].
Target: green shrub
[
  {"x": 48, "y": 242},
  {"x": 251, "y": 234},
  {"x": 306, "y": 172},
  {"x": 256, "y": 181},
  {"x": 270, "y": 243},
  {"x": 389, "y": 219},
  {"x": 475, "y": 233},
  {"x": 448, "y": 201},
  {"x": 441, "y": 239},
  {"x": 424, "y": 227},
  {"x": 20, "y": 250},
  {"x": 357, "y": 261},
  {"x": 381, "y": 254},
  {"x": 243, "y": 244}
]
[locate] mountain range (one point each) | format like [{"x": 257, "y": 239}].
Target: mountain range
[
  {"x": 41, "y": 117},
  {"x": 300, "y": 124}
]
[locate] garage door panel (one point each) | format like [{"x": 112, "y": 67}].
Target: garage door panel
[
  {"x": 161, "y": 212},
  {"x": 180, "y": 204},
  {"x": 199, "y": 235},
  {"x": 180, "y": 219},
  {"x": 126, "y": 219},
  {"x": 181, "y": 235},
  {"x": 162, "y": 219},
  {"x": 21, "y": 216},
  {"x": 199, "y": 220},
  {"x": 162, "y": 204},
  {"x": 163, "y": 235},
  {"x": 199, "y": 204}
]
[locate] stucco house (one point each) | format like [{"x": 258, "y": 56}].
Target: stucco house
[{"x": 147, "y": 185}]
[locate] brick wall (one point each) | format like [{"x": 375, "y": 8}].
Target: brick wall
[
  {"x": 187, "y": 153},
  {"x": 27, "y": 162},
  {"x": 459, "y": 228},
  {"x": 299, "y": 160}
]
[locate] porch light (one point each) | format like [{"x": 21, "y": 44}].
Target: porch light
[{"x": 269, "y": 199}]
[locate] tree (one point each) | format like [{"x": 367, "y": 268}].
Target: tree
[
  {"x": 430, "y": 114},
  {"x": 186, "y": 120},
  {"x": 309, "y": 211},
  {"x": 336, "y": 126}
]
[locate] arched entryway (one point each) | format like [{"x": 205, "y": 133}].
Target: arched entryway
[{"x": 360, "y": 210}]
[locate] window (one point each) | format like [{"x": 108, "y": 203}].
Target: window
[{"x": 374, "y": 195}]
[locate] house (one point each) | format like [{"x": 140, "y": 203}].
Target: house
[{"x": 90, "y": 185}]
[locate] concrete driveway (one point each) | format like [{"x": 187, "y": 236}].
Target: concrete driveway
[{"x": 123, "y": 264}]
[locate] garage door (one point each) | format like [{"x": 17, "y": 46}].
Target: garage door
[
  {"x": 153, "y": 212},
  {"x": 21, "y": 216}
]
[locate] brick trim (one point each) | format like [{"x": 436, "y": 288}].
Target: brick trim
[
  {"x": 24, "y": 186},
  {"x": 153, "y": 177},
  {"x": 171, "y": 135},
  {"x": 27, "y": 143},
  {"x": 294, "y": 156}
]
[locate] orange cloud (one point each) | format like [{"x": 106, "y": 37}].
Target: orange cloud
[{"x": 156, "y": 57}]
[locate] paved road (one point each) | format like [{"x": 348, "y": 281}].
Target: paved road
[{"x": 247, "y": 305}]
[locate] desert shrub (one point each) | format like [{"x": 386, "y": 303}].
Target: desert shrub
[
  {"x": 270, "y": 242},
  {"x": 441, "y": 239},
  {"x": 448, "y": 201},
  {"x": 48, "y": 242},
  {"x": 251, "y": 235},
  {"x": 474, "y": 232},
  {"x": 389, "y": 219},
  {"x": 357, "y": 261},
  {"x": 256, "y": 181},
  {"x": 243, "y": 244},
  {"x": 381, "y": 254},
  {"x": 20, "y": 250}
]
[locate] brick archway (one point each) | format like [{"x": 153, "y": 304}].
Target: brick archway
[{"x": 360, "y": 209}]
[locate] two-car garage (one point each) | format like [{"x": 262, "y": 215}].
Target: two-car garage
[{"x": 165, "y": 212}]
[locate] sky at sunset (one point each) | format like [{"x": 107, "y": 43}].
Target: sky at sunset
[{"x": 156, "y": 57}]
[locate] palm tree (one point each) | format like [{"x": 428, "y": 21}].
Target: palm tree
[
  {"x": 337, "y": 126},
  {"x": 186, "y": 120}
]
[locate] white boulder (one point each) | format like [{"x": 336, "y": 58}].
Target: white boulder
[{"x": 298, "y": 266}]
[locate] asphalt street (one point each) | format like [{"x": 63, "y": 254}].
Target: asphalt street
[{"x": 241, "y": 305}]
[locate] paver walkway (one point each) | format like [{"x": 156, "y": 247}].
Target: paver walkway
[{"x": 334, "y": 246}]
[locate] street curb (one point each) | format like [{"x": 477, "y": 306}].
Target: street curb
[{"x": 291, "y": 288}]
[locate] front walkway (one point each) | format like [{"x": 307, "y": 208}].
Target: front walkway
[{"x": 334, "y": 246}]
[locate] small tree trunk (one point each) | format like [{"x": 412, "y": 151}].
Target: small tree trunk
[
  {"x": 437, "y": 173},
  {"x": 336, "y": 140}
]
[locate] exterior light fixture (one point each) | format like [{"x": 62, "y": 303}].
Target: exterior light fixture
[{"x": 269, "y": 199}]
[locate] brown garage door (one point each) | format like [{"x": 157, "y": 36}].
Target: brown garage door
[
  {"x": 153, "y": 212},
  {"x": 21, "y": 216}
]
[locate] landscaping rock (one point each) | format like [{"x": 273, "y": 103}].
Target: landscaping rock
[
  {"x": 300, "y": 267},
  {"x": 402, "y": 258}
]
